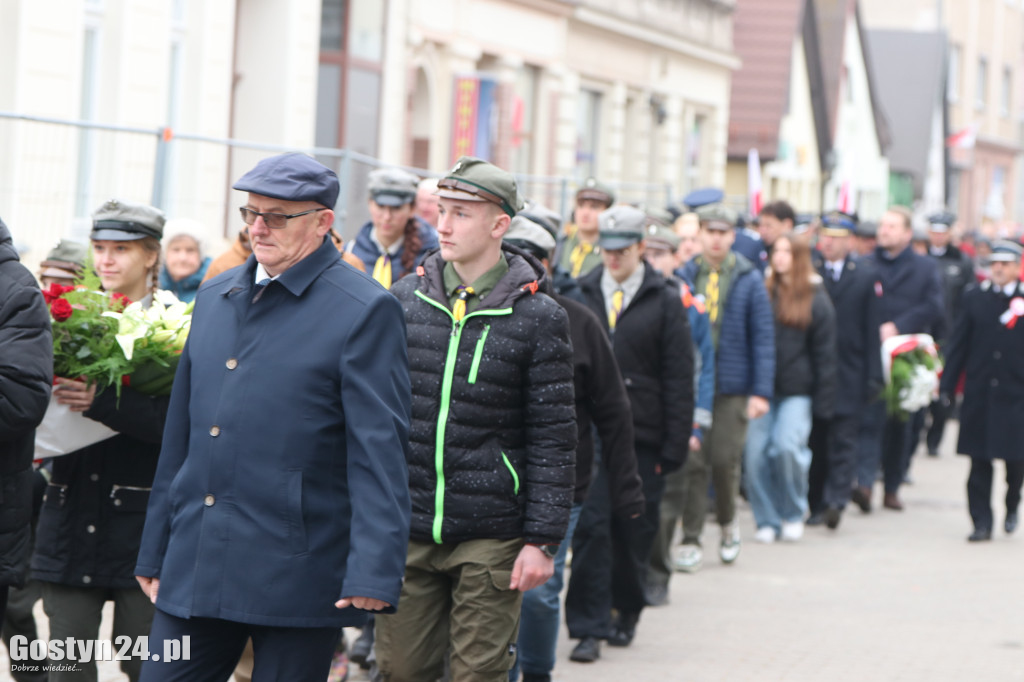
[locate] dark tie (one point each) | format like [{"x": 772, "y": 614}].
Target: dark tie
[{"x": 260, "y": 287}]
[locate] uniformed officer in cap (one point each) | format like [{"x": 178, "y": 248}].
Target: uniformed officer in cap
[
  {"x": 579, "y": 252},
  {"x": 395, "y": 240},
  {"x": 957, "y": 272},
  {"x": 492, "y": 442},
  {"x": 650, "y": 336},
  {"x": 280, "y": 508},
  {"x": 850, "y": 284},
  {"x": 986, "y": 346}
]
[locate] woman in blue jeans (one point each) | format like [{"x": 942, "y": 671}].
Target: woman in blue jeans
[{"x": 777, "y": 457}]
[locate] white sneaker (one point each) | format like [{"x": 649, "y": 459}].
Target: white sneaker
[
  {"x": 792, "y": 530},
  {"x": 765, "y": 535},
  {"x": 729, "y": 550},
  {"x": 689, "y": 559}
]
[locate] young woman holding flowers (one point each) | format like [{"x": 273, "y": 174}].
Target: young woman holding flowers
[
  {"x": 93, "y": 513},
  {"x": 777, "y": 456}
]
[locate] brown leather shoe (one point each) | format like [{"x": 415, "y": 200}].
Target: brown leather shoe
[
  {"x": 862, "y": 498},
  {"x": 892, "y": 501}
]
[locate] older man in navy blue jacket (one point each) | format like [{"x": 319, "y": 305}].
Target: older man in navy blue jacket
[
  {"x": 280, "y": 509},
  {"x": 743, "y": 332}
]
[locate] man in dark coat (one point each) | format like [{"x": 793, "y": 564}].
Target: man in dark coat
[
  {"x": 911, "y": 304},
  {"x": 986, "y": 346},
  {"x": 602, "y": 405},
  {"x": 850, "y": 284},
  {"x": 650, "y": 335},
  {"x": 492, "y": 442},
  {"x": 280, "y": 508},
  {"x": 26, "y": 373},
  {"x": 957, "y": 270}
]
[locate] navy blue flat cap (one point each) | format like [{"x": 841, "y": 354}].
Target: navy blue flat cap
[
  {"x": 292, "y": 177},
  {"x": 703, "y": 197}
]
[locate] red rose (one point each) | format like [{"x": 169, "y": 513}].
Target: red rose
[
  {"x": 53, "y": 293},
  {"x": 61, "y": 309},
  {"x": 121, "y": 299}
]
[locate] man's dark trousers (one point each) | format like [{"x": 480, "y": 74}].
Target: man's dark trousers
[
  {"x": 979, "y": 490},
  {"x": 279, "y": 653},
  {"x": 595, "y": 585}
]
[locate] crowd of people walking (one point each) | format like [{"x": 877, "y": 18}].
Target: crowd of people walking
[{"x": 411, "y": 432}]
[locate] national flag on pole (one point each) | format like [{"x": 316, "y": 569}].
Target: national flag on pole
[
  {"x": 755, "y": 200},
  {"x": 845, "y": 203},
  {"x": 963, "y": 139}
]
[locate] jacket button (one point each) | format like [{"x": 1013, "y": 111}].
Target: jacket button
[
  {"x": 995, "y": 382},
  {"x": 90, "y": 528},
  {"x": 94, "y": 477},
  {"x": 86, "y": 579},
  {"x": 209, "y": 500},
  {"x": 117, "y": 502},
  {"x": 997, "y": 355},
  {"x": 214, "y": 430},
  {"x": 231, "y": 363}
]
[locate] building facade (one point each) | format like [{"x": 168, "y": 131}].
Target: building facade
[{"x": 984, "y": 74}]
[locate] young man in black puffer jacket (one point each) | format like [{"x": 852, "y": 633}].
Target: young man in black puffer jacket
[
  {"x": 492, "y": 441},
  {"x": 26, "y": 373}
]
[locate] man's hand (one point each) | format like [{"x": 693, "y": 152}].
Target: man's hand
[
  {"x": 756, "y": 407},
  {"x": 695, "y": 444},
  {"x": 363, "y": 603},
  {"x": 76, "y": 394},
  {"x": 887, "y": 331},
  {"x": 532, "y": 569},
  {"x": 150, "y": 586}
]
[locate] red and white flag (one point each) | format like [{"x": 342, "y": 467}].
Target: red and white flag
[
  {"x": 963, "y": 139},
  {"x": 755, "y": 200},
  {"x": 845, "y": 203}
]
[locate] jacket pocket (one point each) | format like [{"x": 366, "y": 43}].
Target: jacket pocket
[
  {"x": 645, "y": 400},
  {"x": 129, "y": 498},
  {"x": 478, "y": 354},
  {"x": 296, "y": 522}
]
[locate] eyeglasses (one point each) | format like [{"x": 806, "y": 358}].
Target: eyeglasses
[{"x": 275, "y": 221}]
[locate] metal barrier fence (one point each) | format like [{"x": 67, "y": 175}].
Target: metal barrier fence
[{"x": 55, "y": 172}]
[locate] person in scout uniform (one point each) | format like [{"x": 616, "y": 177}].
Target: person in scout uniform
[
  {"x": 395, "y": 240},
  {"x": 985, "y": 345},
  {"x": 493, "y": 438},
  {"x": 579, "y": 252},
  {"x": 650, "y": 337},
  {"x": 91, "y": 520},
  {"x": 662, "y": 245},
  {"x": 63, "y": 264},
  {"x": 743, "y": 331},
  {"x": 602, "y": 406},
  {"x": 850, "y": 283},
  {"x": 280, "y": 506}
]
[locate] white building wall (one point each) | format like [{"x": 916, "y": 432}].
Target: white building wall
[
  {"x": 41, "y": 74},
  {"x": 796, "y": 172},
  {"x": 859, "y": 160}
]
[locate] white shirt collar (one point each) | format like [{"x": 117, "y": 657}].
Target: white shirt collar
[
  {"x": 391, "y": 250},
  {"x": 262, "y": 274},
  {"x": 629, "y": 286}
]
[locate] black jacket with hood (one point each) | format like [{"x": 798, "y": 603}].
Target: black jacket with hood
[{"x": 26, "y": 373}]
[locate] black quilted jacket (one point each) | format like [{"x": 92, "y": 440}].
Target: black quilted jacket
[{"x": 493, "y": 435}]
